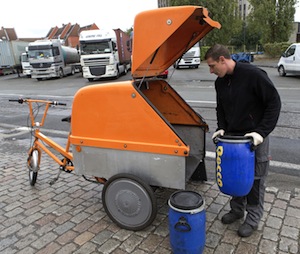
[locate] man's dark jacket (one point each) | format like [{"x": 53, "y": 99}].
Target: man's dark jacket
[{"x": 247, "y": 101}]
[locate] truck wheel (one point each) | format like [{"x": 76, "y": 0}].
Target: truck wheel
[
  {"x": 125, "y": 69},
  {"x": 118, "y": 73},
  {"x": 61, "y": 73},
  {"x": 129, "y": 202},
  {"x": 73, "y": 71}
]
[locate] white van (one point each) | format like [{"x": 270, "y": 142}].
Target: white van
[{"x": 289, "y": 63}]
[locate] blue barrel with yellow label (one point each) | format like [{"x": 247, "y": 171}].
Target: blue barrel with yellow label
[{"x": 235, "y": 165}]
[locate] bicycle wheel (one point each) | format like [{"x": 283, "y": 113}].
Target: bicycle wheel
[{"x": 33, "y": 166}]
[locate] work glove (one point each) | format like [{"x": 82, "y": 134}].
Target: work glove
[
  {"x": 257, "y": 138},
  {"x": 218, "y": 134}
]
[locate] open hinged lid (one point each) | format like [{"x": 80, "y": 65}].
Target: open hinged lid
[{"x": 162, "y": 35}]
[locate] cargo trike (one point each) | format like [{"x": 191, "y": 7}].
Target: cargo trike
[{"x": 134, "y": 136}]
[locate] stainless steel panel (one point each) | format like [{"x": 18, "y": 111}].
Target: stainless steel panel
[{"x": 155, "y": 169}]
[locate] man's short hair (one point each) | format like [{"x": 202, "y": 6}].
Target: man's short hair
[{"x": 216, "y": 51}]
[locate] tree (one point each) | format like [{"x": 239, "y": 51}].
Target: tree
[
  {"x": 222, "y": 11},
  {"x": 272, "y": 19}
]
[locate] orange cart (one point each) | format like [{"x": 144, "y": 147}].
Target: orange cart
[{"x": 135, "y": 135}]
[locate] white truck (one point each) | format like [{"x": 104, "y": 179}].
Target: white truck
[
  {"x": 10, "y": 55},
  {"x": 191, "y": 58},
  {"x": 26, "y": 67},
  {"x": 104, "y": 53},
  {"x": 49, "y": 58}
]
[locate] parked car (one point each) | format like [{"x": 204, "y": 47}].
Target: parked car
[
  {"x": 289, "y": 63},
  {"x": 164, "y": 74},
  {"x": 242, "y": 57}
]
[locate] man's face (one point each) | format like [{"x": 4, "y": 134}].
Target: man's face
[{"x": 217, "y": 67}]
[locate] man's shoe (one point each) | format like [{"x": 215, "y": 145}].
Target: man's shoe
[
  {"x": 246, "y": 230},
  {"x": 231, "y": 217}
]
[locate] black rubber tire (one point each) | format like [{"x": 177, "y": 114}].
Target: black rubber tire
[
  {"x": 129, "y": 202},
  {"x": 33, "y": 167},
  {"x": 125, "y": 70},
  {"x": 281, "y": 71},
  {"x": 32, "y": 177},
  {"x": 61, "y": 73},
  {"x": 118, "y": 73}
]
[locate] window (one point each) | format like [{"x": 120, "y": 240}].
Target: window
[
  {"x": 55, "y": 51},
  {"x": 291, "y": 51}
]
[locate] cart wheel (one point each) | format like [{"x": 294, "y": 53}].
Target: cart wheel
[
  {"x": 33, "y": 166},
  {"x": 129, "y": 202}
]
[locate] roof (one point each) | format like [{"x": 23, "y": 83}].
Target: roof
[
  {"x": 69, "y": 33},
  {"x": 8, "y": 34}
]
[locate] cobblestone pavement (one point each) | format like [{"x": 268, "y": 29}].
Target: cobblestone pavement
[{"x": 68, "y": 217}]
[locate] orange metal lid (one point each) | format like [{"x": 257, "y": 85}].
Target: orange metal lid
[{"x": 162, "y": 35}]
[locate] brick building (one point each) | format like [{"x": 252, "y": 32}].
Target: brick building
[{"x": 69, "y": 33}]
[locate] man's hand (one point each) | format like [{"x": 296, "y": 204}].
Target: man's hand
[
  {"x": 257, "y": 138},
  {"x": 218, "y": 134}
]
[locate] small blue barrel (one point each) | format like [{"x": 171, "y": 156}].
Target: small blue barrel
[
  {"x": 187, "y": 222},
  {"x": 235, "y": 165}
]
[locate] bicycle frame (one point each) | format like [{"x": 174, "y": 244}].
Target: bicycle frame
[{"x": 40, "y": 138}]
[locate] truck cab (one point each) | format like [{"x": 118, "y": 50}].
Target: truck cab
[
  {"x": 190, "y": 59},
  {"x": 104, "y": 53},
  {"x": 49, "y": 59},
  {"x": 26, "y": 67}
]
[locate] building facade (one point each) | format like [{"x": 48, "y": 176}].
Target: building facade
[
  {"x": 69, "y": 33},
  {"x": 244, "y": 9},
  {"x": 163, "y": 3}
]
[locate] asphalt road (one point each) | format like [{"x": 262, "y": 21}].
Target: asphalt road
[{"x": 195, "y": 85}]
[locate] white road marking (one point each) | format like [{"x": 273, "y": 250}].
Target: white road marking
[{"x": 272, "y": 163}]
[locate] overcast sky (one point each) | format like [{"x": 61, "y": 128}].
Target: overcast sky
[{"x": 34, "y": 18}]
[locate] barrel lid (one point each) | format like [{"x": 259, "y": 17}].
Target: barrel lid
[
  {"x": 186, "y": 200},
  {"x": 162, "y": 35}
]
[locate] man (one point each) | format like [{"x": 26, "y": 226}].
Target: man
[{"x": 247, "y": 104}]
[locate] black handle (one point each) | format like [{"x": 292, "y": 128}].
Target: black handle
[
  {"x": 20, "y": 100},
  {"x": 215, "y": 140},
  {"x": 182, "y": 225},
  {"x": 56, "y": 103}
]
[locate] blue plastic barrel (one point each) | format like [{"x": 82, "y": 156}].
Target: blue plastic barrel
[
  {"x": 187, "y": 222},
  {"x": 235, "y": 165}
]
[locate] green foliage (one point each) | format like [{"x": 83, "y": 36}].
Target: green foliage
[
  {"x": 275, "y": 49},
  {"x": 129, "y": 30},
  {"x": 203, "y": 51},
  {"x": 266, "y": 23},
  {"x": 272, "y": 22},
  {"x": 221, "y": 11}
]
